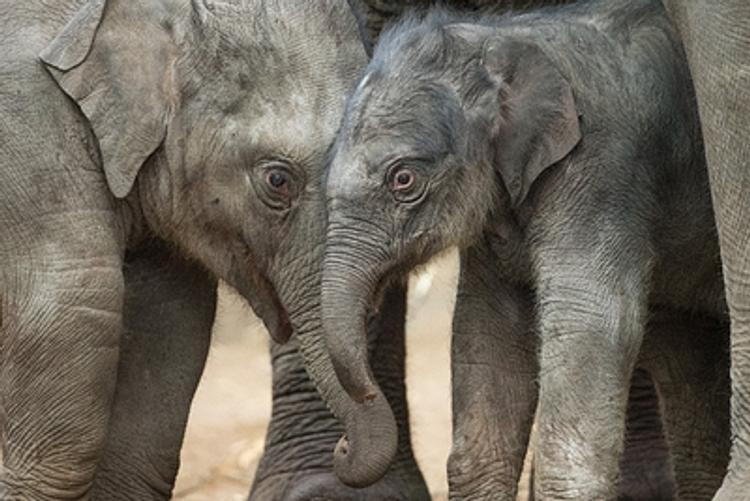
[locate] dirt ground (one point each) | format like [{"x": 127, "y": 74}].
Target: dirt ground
[{"x": 233, "y": 405}]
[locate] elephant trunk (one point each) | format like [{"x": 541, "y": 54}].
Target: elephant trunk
[
  {"x": 351, "y": 272},
  {"x": 365, "y": 452},
  {"x": 352, "y": 269}
]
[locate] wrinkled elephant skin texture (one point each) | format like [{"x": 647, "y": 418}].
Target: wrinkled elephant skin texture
[
  {"x": 296, "y": 464},
  {"x": 684, "y": 356},
  {"x": 561, "y": 151},
  {"x": 147, "y": 149},
  {"x": 716, "y": 37},
  {"x": 375, "y": 15}
]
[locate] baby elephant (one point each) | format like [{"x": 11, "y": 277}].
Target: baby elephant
[{"x": 561, "y": 151}]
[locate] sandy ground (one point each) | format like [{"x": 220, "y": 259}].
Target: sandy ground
[{"x": 233, "y": 405}]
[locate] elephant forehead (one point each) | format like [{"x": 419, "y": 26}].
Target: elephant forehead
[
  {"x": 280, "y": 34},
  {"x": 307, "y": 118},
  {"x": 350, "y": 178},
  {"x": 274, "y": 49},
  {"x": 296, "y": 127}
]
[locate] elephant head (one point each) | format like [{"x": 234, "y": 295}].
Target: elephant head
[
  {"x": 374, "y": 15},
  {"x": 214, "y": 120},
  {"x": 450, "y": 128}
]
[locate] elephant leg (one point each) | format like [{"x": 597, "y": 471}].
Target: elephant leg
[
  {"x": 592, "y": 311},
  {"x": 687, "y": 357},
  {"x": 716, "y": 36},
  {"x": 297, "y": 461},
  {"x": 494, "y": 374},
  {"x": 58, "y": 361},
  {"x": 645, "y": 465},
  {"x": 169, "y": 310}
]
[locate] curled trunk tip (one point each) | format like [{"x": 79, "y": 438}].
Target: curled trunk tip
[{"x": 366, "y": 457}]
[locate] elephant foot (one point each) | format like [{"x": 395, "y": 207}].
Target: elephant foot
[{"x": 324, "y": 486}]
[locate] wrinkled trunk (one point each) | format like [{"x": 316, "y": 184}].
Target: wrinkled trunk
[
  {"x": 367, "y": 449},
  {"x": 364, "y": 454},
  {"x": 353, "y": 268},
  {"x": 351, "y": 272}
]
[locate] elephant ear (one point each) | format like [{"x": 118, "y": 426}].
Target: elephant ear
[
  {"x": 537, "y": 125},
  {"x": 112, "y": 59}
]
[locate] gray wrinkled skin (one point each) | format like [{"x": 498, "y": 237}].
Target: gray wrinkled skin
[
  {"x": 684, "y": 354},
  {"x": 138, "y": 143},
  {"x": 645, "y": 465},
  {"x": 374, "y": 15},
  {"x": 716, "y": 36},
  {"x": 168, "y": 312},
  {"x": 696, "y": 455},
  {"x": 296, "y": 464},
  {"x": 299, "y": 447},
  {"x": 492, "y": 423},
  {"x": 561, "y": 151}
]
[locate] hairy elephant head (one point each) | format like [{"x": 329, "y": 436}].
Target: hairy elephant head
[
  {"x": 375, "y": 15},
  {"x": 214, "y": 120},
  {"x": 451, "y": 124}
]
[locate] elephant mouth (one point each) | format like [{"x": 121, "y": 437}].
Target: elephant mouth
[{"x": 269, "y": 308}]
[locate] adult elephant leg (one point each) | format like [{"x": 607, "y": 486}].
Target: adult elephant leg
[
  {"x": 645, "y": 465},
  {"x": 716, "y": 36},
  {"x": 494, "y": 380},
  {"x": 58, "y": 361},
  {"x": 169, "y": 310},
  {"x": 687, "y": 357},
  {"x": 297, "y": 461},
  {"x": 386, "y": 331}
]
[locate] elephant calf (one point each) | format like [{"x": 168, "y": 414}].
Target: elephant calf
[
  {"x": 147, "y": 149},
  {"x": 561, "y": 151}
]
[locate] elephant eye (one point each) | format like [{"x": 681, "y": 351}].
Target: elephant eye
[
  {"x": 403, "y": 179},
  {"x": 277, "y": 179},
  {"x": 277, "y": 184},
  {"x": 405, "y": 185}
]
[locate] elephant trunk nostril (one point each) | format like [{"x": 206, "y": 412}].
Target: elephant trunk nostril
[{"x": 342, "y": 447}]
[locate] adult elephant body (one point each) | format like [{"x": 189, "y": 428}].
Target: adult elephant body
[
  {"x": 716, "y": 37},
  {"x": 148, "y": 148}
]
